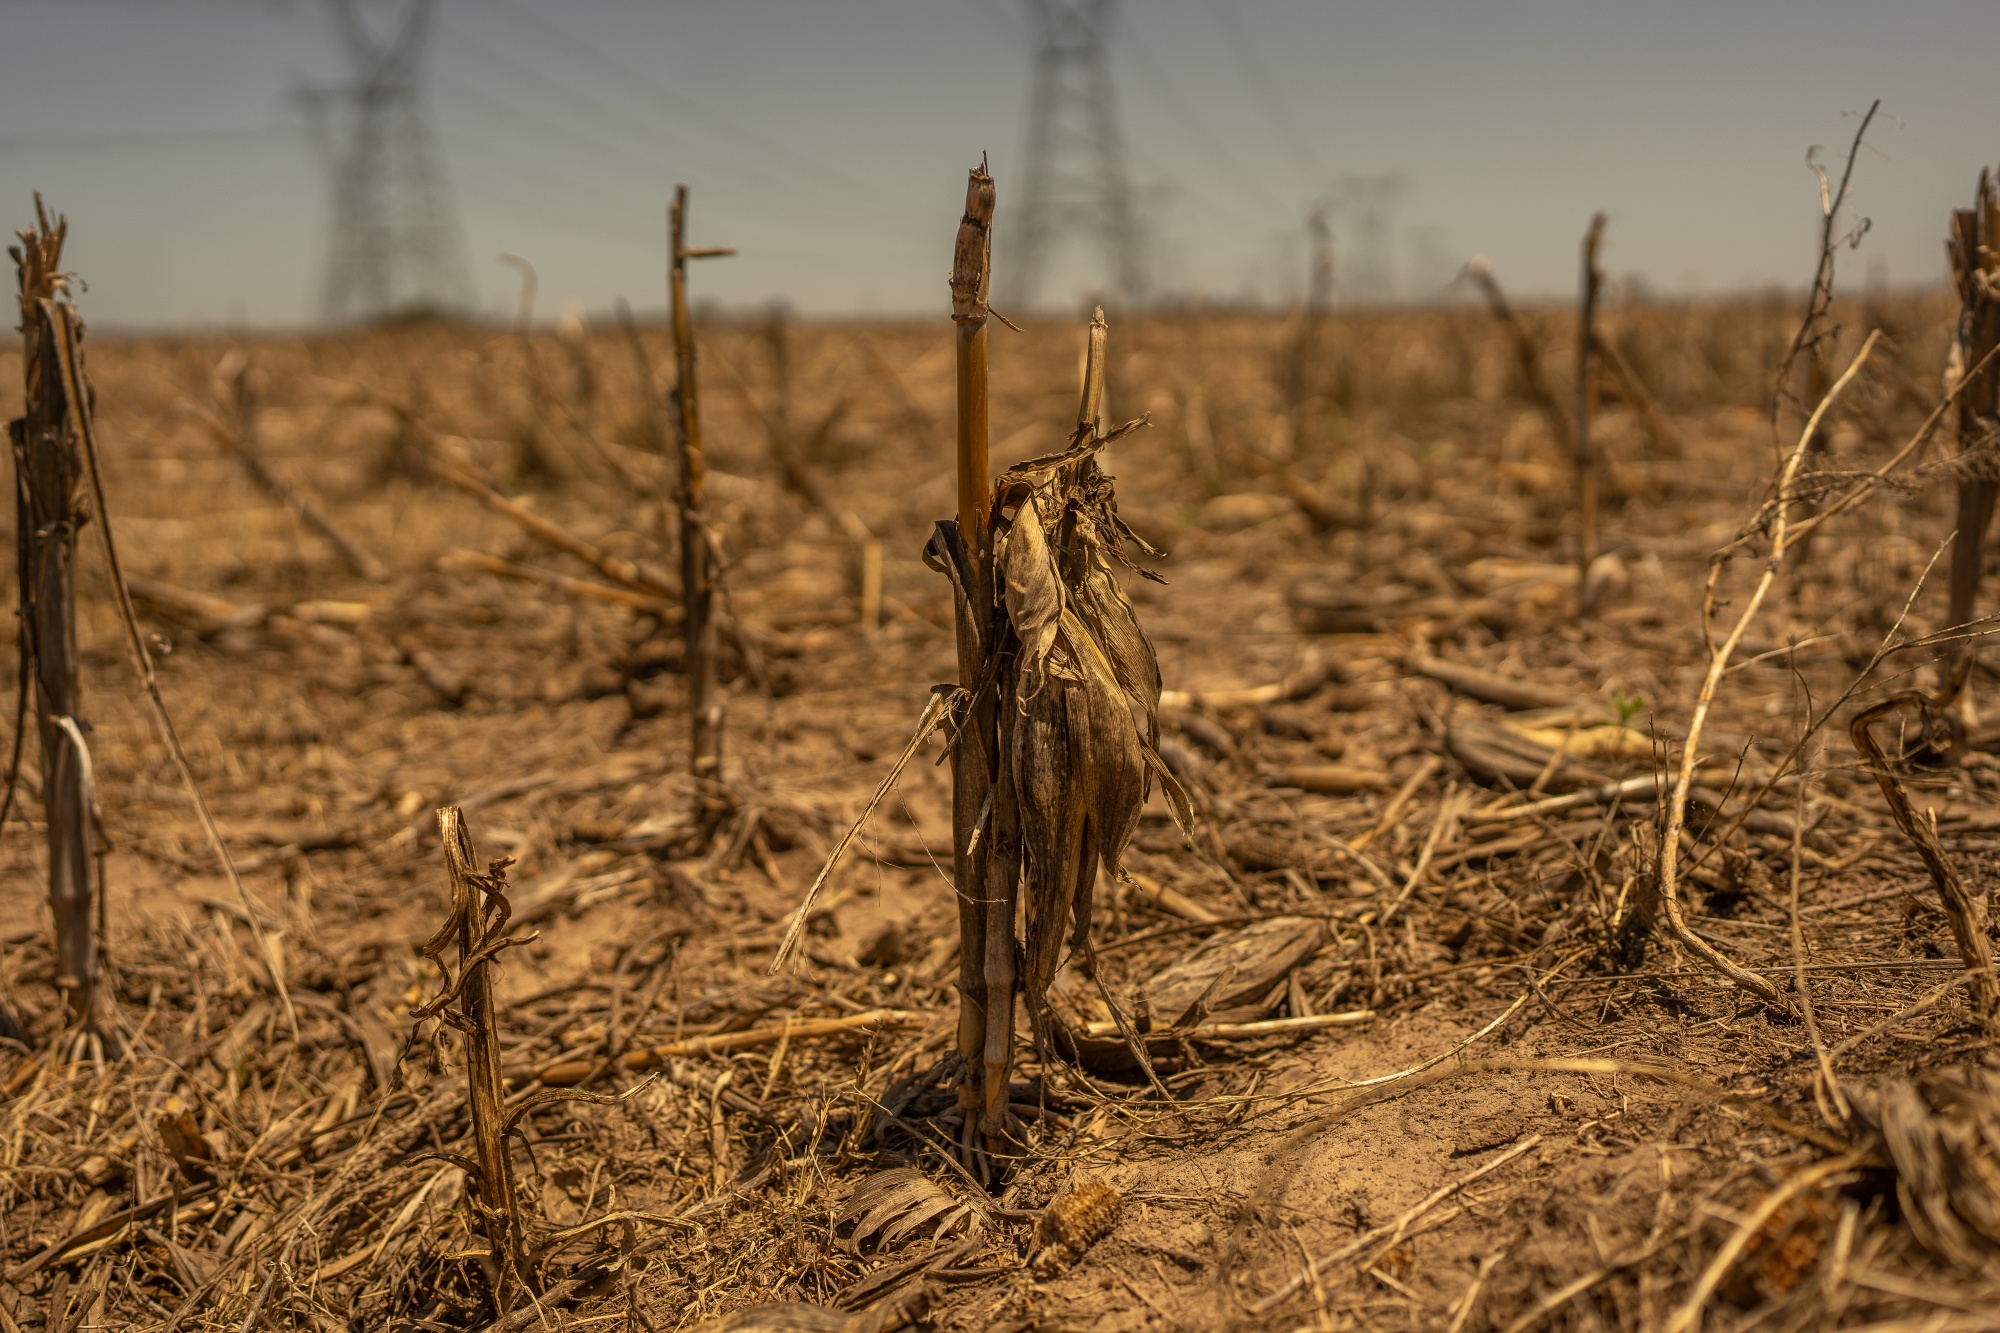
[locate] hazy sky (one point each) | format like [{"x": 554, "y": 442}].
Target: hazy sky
[{"x": 828, "y": 139}]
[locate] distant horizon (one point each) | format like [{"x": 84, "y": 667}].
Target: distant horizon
[{"x": 710, "y": 312}]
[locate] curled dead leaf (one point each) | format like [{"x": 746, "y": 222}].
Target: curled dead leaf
[
  {"x": 896, "y": 1205},
  {"x": 182, "y": 1137}
]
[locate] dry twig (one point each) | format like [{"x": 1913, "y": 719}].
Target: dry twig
[{"x": 1781, "y": 538}]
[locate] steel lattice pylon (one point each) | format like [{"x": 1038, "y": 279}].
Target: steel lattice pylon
[
  {"x": 395, "y": 245},
  {"x": 1074, "y": 180}
]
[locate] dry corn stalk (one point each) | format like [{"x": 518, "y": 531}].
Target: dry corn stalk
[
  {"x": 1974, "y": 250},
  {"x": 1054, "y": 753},
  {"x": 1590, "y": 281},
  {"x": 968, "y": 560},
  {"x": 697, "y": 560},
  {"x": 49, "y": 512},
  {"x": 1527, "y": 359},
  {"x": 479, "y": 912}
]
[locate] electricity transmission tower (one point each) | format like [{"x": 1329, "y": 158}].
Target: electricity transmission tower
[
  {"x": 394, "y": 246},
  {"x": 1369, "y": 200},
  {"x": 1075, "y": 180}
]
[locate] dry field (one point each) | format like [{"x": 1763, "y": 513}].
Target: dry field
[{"x": 1594, "y": 1130}]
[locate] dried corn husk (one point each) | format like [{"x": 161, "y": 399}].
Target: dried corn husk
[
  {"x": 1080, "y": 696},
  {"x": 1231, "y": 974},
  {"x": 1943, "y": 1134},
  {"x": 1561, "y": 757},
  {"x": 892, "y": 1206}
]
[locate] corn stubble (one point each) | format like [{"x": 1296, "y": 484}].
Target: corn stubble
[
  {"x": 50, "y": 512},
  {"x": 1058, "y": 712},
  {"x": 465, "y": 1004},
  {"x": 699, "y": 581},
  {"x": 1974, "y": 250}
]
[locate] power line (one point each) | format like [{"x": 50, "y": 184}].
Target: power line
[
  {"x": 637, "y": 136},
  {"x": 591, "y": 109},
  {"x": 1167, "y": 88},
  {"x": 1265, "y": 82},
  {"x": 640, "y": 239},
  {"x": 649, "y": 202},
  {"x": 132, "y": 141},
  {"x": 721, "y": 126}
]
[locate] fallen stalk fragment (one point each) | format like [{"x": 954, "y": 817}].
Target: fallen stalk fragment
[
  {"x": 1645, "y": 785},
  {"x": 1396, "y": 1229},
  {"x": 1493, "y": 688},
  {"x": 567, "y": 1072},
  {"x": 240, "y": 438},
  {"x": 630, "y": 573},
  {"x": 1965, "y": 910},
  {"x": 649, "y": 603},
  {"x": 1299, "y": 684},
  {"x": 107, "y": 1227},
  {"x": 1150, "y": 891},
  {"x": 1267, "y": 1027}
]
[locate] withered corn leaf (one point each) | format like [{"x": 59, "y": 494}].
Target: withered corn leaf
[
  {"x": 1079, "y": 691},
  {"x": 1033, "y": 590}
]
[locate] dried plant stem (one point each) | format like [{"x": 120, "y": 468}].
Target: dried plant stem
[
  {"x": 697, "y": 567},
  {"x": 1263, "y": 1027},
  {"x": 633, "y": 575},
  {"x": 1974, "y": 247},
  {"x": 1870, "y": 481},
  {"x": 1965, "y": 910},
  {"x": 48, "y": 471},
  {"x": 240, "y": 438},
  {"x": 597, "y": 592},
  {"x": 1718, "y": 664},
  {"x": 1831, "y": 200},
  {"x": 1391, "y": 1233},
  {"x": 1689, "y": 1313},
  {"x": 568, "y": 1072},
  {"x": 1527, "y": 358},
  {"x": 975, "y": 751},
  {"x": 479, "y": 913},
  {"x": 63, "y": 319},
  {"x": 1586, "y": 406},
  {"x": 942, "y": 698},
  {"x": 1633, "y": 390}
]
